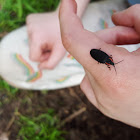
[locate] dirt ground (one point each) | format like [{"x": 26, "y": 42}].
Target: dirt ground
[{"x": 86, "y": 122}]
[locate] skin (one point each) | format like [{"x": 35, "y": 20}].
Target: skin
[
  {"x": 44, "y": 37},
  {"x": 116, "y": 96}
]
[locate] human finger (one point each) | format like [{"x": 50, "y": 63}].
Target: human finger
[
  {"x": 129, "y": 17},
  {"x": 79, "y": 42},
  {"x": 35, "y": 51},
  {"x": 54, "y": 57},
  {"x": 119, "y": 35}
]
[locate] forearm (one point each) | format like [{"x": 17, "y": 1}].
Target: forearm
[{"x": 81, "y": 6}]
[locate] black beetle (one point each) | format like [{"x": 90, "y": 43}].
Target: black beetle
[{"x": 104, "y": 58}]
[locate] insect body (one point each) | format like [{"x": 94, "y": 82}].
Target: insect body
[{"x": 104, "y": 58}]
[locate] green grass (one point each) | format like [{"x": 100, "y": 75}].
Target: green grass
[
  {"x": 7, "y": 92},
  {"x": 4, "y": 86},
  {"x": 42, "y": 127},
  {"x": 13, "y": 12}
]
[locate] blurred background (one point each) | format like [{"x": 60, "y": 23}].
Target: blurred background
[{"x": 63, "y": 114}]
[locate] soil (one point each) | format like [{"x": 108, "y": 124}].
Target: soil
[{"x": 88, "y": 125}]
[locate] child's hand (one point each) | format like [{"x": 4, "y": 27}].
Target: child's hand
[
  {"x": 44, "y": 39},
  {"x": 116, "y": 95}
]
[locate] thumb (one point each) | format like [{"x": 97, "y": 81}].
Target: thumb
[
  {"x": 68, "y": 10},
  {"x": 80, "y": 42}
]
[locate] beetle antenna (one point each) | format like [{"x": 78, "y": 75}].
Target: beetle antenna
[
  {"x": 115, "y": 69},
  {"x": 115, "y": 64},
  {"x": 118, "y": 62}
]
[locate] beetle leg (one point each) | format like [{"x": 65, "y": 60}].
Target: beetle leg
[{"x": 108, "y": 66}]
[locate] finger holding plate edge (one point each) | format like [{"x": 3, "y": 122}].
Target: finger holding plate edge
[
  {"x": 79, "y": 42},
  {"x": 54, "y": 58}
]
